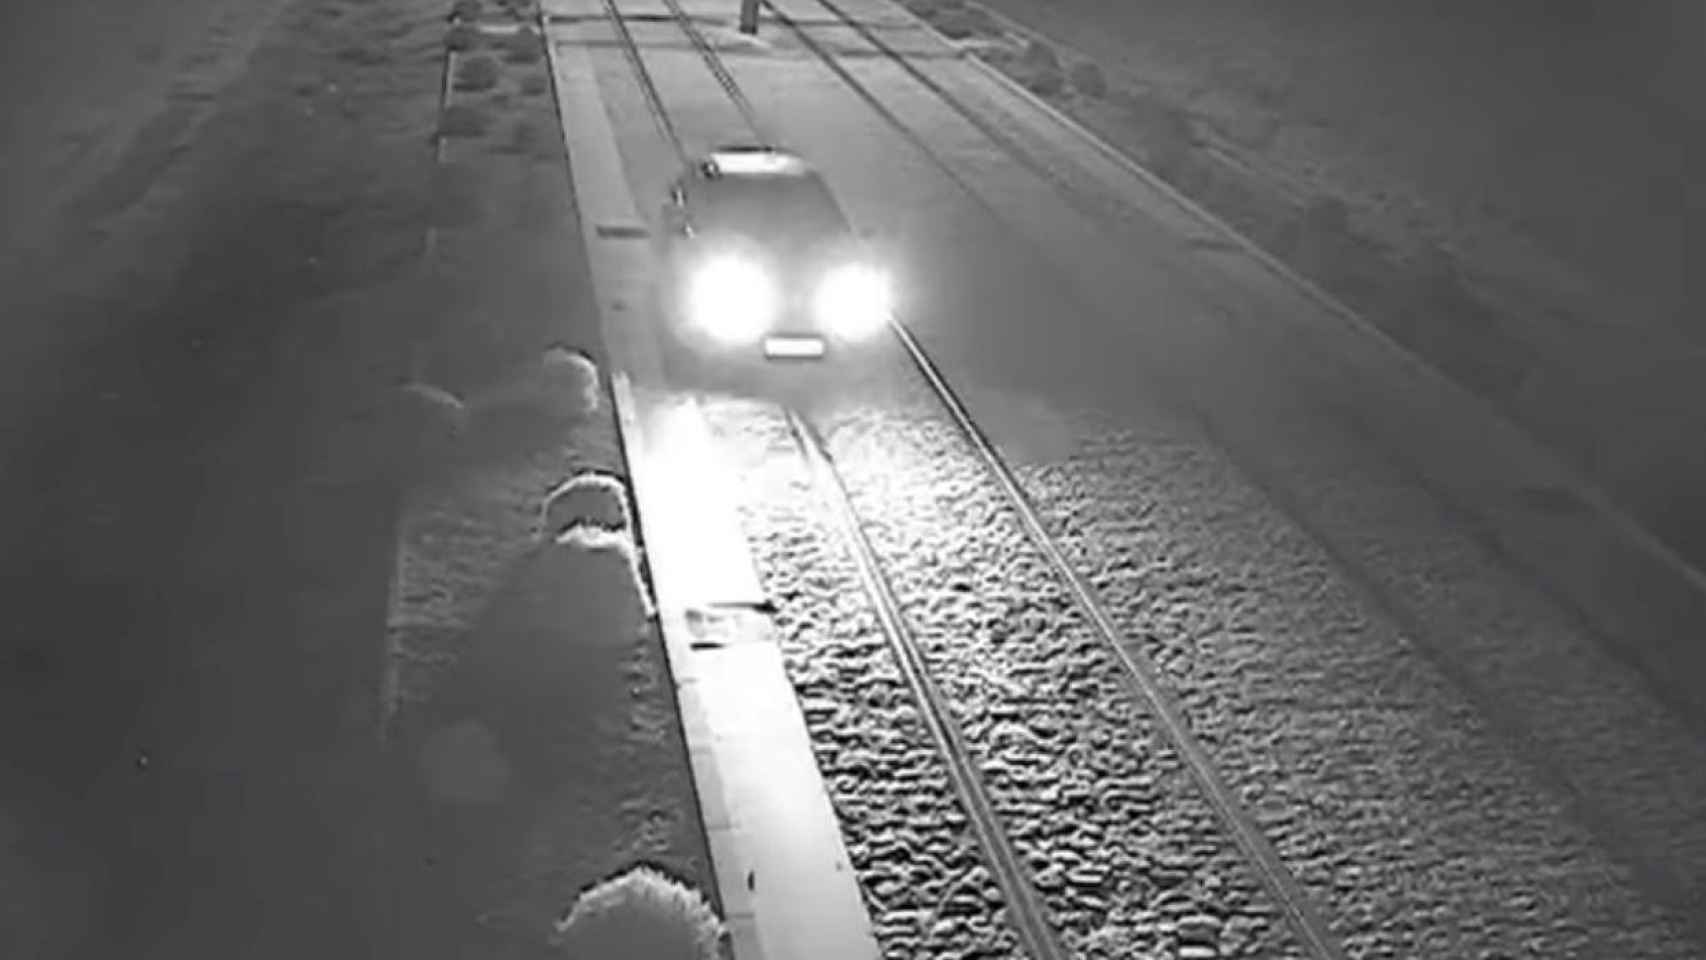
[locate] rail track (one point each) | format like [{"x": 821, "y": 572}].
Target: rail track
[
  {"x": 1656, "y": 878},
  {"x": 1029, "y": 914},
  {"x": 1027, "y": 911}
]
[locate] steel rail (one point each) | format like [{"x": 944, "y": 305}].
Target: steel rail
[
  {"x": 1662, "y": 883},
  {"x": 719, "y": 70},
  {"x": 1145, "y": 677},
  {"x": 1071, "y": 195},
  {"x": 648, "y": 86},
  {"x": 1027, "y": 912},
  {"x": 1025, "y": 908}
]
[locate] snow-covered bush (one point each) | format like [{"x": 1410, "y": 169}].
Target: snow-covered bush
[
  {"x": 641, "y": 915},
  {"x": 531, "y": 409},
  {"x": 589, "y": 499},
  {"x": 568, "y": 383},
  {"x": 561, "y": 384},
  {"x": 607, "y": 561},
  {"x": 549, "y": 653},
  {"x": 571, "y": 609}
]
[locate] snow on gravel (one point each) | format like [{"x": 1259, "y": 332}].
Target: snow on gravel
[
  {"x": 1373, "y": 771},
  {"x": 918, "y": 864},
  {"x": 1392, "y": 789},
  {"x": 1128, "y": 854}
]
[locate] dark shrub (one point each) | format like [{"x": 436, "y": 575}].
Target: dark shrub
[
  {"x": 477, "y": 73},
  {"x": 461, "y": 38},
  {"x": 522, "y": 46},
  {"x": 1046, "y": 82},
  {"x": 461, "y": 120},
  {"x": 956, "y": 23},
  {"x": 1041, "y": 56},
  {"x": 1087, "y": 79}
]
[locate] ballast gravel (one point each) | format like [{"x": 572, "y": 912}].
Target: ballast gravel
[
  {"x": 1436, "y": 753},
  {"x": 1129, "y": 856},
  {"x": 920, "y": 870},
  {"x": 1409, "y": 808}
]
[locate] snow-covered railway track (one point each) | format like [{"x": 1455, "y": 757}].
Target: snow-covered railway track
[
  {"x": 1024, "y": 801},
  {"x": 1013, "y": 824},
  {"x": 1145, "y": 678},
  {"x": 1320, "y": 395},
  {"x": 1026, "y": 909},
  {"x": 880, "y": 787}
]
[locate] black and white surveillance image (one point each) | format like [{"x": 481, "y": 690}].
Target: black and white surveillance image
[{"x": 853, "y": 480}]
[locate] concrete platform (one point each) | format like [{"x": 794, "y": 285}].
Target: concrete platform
[{"x": 782, "y": 873}]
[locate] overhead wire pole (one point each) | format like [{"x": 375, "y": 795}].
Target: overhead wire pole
[{"x": 749, "y": 17}]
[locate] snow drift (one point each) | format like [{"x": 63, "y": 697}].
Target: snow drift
[
  {"x": 641, "y": 913},
  {"x": 592, "y": 499}
]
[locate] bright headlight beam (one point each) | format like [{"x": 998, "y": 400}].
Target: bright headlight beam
[
  {"x": 853, "y": 301},
  {"x": 732, "y": 298}
]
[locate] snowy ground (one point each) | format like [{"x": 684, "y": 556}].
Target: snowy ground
[
  {"x": 514, "y": 802},
  {"x": 212, "y": 265},
  {"x": 199, "y": 567},
  {"x": 214, "y": 216},
  {"x": 1508, "y": 189}
]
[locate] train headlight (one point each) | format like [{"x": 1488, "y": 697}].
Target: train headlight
[
  {"x": 733, "y": 299},
  {"x": 852, "y": 301}
]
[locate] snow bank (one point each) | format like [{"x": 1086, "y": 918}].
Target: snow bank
[
  {"x": 570, "y": 609},
  {"x": 589, "y": 499},
  {"x": 561, "y": 384},
  {"x": 641, "y": 913},
  {"x": 567, "y": 382},
  {"x": 549, "y": 655},
  {"x": 531, "y": 408}
]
